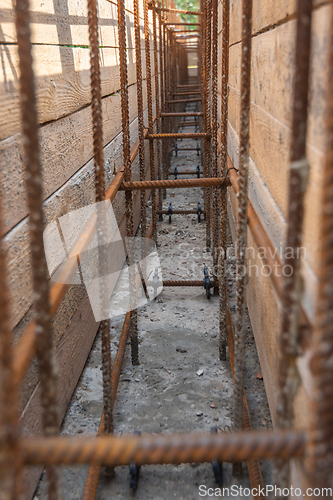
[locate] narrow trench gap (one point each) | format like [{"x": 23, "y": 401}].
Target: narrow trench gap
[{"x": 178, "y": 338}]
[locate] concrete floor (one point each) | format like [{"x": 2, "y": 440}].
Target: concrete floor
[{"x": 178, "y": 337}]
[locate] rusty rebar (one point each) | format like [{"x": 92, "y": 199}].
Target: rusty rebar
[
  {"x": 223, "y": 192},
  {"x": 188, "y": 113},
  {"x": 128, "y": 175},
  {"x": 173, "y": 184},
  {"x": 185, "y": 283},
  {"x": 96, "y": 106},
  {"x": 241, "y": 276},
  {"x": 206, "y": 108},
  {"x": 320, "y": 449},
  {"x": 142, "y": 163},
  {"x": 190, "y": 135},
  {"x": 162, "y": 449},
  {"x": 182, "y": 101},
  {"x": 177, "y": 11},
  {"x": 94, "y": 471},
  {"x": 44, "y": 347},
  {"x": 157, "y": 104},
  {"x": 289, "y": 380},
  {"x": 150, "y": 116},
  {"x": 215, "y": 198}
]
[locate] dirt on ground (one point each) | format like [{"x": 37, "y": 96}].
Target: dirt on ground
[{"x": 180, "y": 384}]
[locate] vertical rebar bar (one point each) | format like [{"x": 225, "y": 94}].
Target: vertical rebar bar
[
  {"x": 96, "y": 109},
  {"x": 206, "y": 164},
  {"x": 241, "y": 272},
  {"x": 158, "y": 99},
  {"x": 128, "y": 175},
  {"x": 214, "y": 136},
  {"x": 223, "y": 166},
  {"x": 292, "y": 283},
  {"x": 142, "y": 162},
  {"x": 150, "y": 117},
  {"x": 40, "y": 278},
  {"x": 319, "y": 461}
]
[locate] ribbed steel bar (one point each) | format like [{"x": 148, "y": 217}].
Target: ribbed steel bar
[
  {"x": 96, "y": 105},
  {"x": 206, "y": 109},
  {"x": 188, "y": 113},
  {"x": 244, "y": 136},
  {"x": 158, "y": 103},
  {"x": 182, "y": 101},
  {"x": 188, "y": 283},
  {"x": 179, "y": 212},
  {"x": 140, "y": 114},
  {"x": 320, "y": 450},
  {"x": 162, "y": 167},
  {"x": 223, "y": 192},
  {"x": 182, "y": 172},
  {"x": 182, "y": 24},
  {"x": 150, "y": 115},
  {"x": 94, "y": 471},
  {"x": 178, "y": 11},
  {"x": 214, "y": 135},
  {"x": 179, "y": 183},
  {"x": 253, "y": 465},
  {"x": 128, "y": 174},
  {"x": 193, "y": 92},
  {"x": 44, "y": 347},
  {"x": 9, "y": 431},
  {"x": 292, "y": 283},
  {"x": 162, "y": 449},
  {"x": 190, "y": 135}
]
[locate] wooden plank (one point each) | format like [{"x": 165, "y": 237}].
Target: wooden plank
[
  {"x": 273, "y": 218},
  {"x": 266, "y": 15},
  {"x": 76, "y": 192},
  {"x": 60, "y": 22},
  {"x": 273, "y": 72},
  {"x": 65, "y": 145},
  {"x": 70, "y": 362},
  {"x": 62, "y": 76}
]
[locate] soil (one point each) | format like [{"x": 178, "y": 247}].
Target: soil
[{"x": 180, "y": 384}]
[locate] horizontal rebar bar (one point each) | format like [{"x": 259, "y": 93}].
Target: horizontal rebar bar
[
  {"x": 163, "y": 449},
  {"x": 176, "y": 11},
  {"x": 178, "y": 212},
  {"x": 190, "y": 113},
  {"x": 188, "y": 149},
  {"x": 187, "y": 283},
  {"x": 181, "y": 24},
  {"x": 182, "y": 101},
  {"x": 172, "y": 184},
  {"x": 190, "y": 92},
  {"x": 192, "y": 135},
  {"x": 182, "y": 172}
]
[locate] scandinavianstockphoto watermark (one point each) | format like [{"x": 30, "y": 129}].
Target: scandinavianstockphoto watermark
[
  {"x": 260, "y": 261},
  {"x": 238, "y": 491}
]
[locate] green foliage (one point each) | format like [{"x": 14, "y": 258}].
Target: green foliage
[{"x": 188, "y": 5}]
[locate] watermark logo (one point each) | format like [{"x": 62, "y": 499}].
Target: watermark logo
[{"x": 85, "y": 247}]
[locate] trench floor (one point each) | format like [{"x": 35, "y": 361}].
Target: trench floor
[{"x": 180, "y": 384}]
